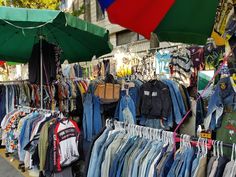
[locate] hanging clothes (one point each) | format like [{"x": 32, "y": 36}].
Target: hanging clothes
[
  {"x": 49, "y": 63},
  {"x": 41, "y": 140},
  {"x": 121, "y": 152}
]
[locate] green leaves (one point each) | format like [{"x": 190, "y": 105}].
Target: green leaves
[{"x": 39, "y": 4}]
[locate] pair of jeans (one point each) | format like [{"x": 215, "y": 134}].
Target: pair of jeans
[
  {"x": 88, "y": 117},
  {"x": 95, "y": 153},
  {"x": 97, "y": 119},
  {"x": 153, "y": 123}
]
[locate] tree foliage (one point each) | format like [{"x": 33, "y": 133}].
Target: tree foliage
[{"x": 35, "y": 4}]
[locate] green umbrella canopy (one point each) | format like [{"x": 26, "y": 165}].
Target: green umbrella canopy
[
  {"x": 21, "y": 28},
  {"x": 188, "y": 21}
]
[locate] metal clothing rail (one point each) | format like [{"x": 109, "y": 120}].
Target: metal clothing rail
[
  {"x": 193, "y": 140},
  {"x": 142, "y": 51},
  {"x": 14, "y": 81},
  {"x": 39, "y": 109}
]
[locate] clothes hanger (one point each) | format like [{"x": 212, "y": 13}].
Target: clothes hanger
[
  {"x": 217, "y": 149},
  {"x": 232, "y": 152},
  {"x": 221, "y": 149},
  {"x": 198, "y": 147}
]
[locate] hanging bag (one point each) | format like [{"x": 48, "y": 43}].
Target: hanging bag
[{"x": 108, "y": 92}]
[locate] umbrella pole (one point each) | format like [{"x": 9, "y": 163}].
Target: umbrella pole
[{"x": 41, "y": 71}]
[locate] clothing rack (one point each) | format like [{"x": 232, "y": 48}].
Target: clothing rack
[
  {"x": 148, "y": 130},
  {"x": 142, "y": 51},
  {"x": 159, "y": 48},
  {"x": 14, "y": 81},
  {"x": 44, "y": 110}
]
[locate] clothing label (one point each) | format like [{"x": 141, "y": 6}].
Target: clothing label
[
  {"x": 223, "y": 86},
  {"x": 205, "y": 135},
  {"x": 146, "y": 93},
  {"x": 154, "y": 93}
]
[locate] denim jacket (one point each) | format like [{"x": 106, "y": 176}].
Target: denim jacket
[
  {"x": 127, "y": 101},
  {"x": 224, "y": 95},
  {"x": 178, "y": 107}
]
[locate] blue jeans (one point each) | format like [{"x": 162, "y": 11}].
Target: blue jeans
[
  {"x": 88, "y": 117},
  {"x": 97, "y": 119},
  {"x": 95, "y": 153},
  {"x": 153, "y": 123}
]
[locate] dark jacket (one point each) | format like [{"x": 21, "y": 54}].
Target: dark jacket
[
  {"x": 155, "y": 100},
  {"x": 49, "y": 63}
]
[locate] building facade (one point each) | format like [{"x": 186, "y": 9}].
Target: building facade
[{"x": 121, "y": 38}]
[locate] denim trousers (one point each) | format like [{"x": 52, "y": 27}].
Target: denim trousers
[
  {"x": 97, "y": 119},
  {"x": 88, "y": 117}
]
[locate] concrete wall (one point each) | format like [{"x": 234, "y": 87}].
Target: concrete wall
[{"x": 113, "y": 29}]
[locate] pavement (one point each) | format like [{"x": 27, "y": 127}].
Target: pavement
[
  {"x": 9, "y": 166},
  {"x": 7, "y": 170}
]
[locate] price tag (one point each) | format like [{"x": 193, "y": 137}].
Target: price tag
[{"x": 205, "y": 135}]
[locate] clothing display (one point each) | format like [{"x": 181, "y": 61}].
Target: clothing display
[
  {"x": 225, "y": 20},
  {"x": 49, "y": 144},
  {"x": 66, "y": 96},
  {"x": 223, "y": 99},
  {"x": 181, "y": 67},
  {"x": 120, "y": 151},
  {"x": 41, "y": 139}
]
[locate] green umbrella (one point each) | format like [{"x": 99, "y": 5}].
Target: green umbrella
[
  {"x": 188, "y": 21},
  {"x": 21, "y": 28}
]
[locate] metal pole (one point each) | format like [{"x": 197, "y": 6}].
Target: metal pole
[{"x": 41, "y": 71}]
